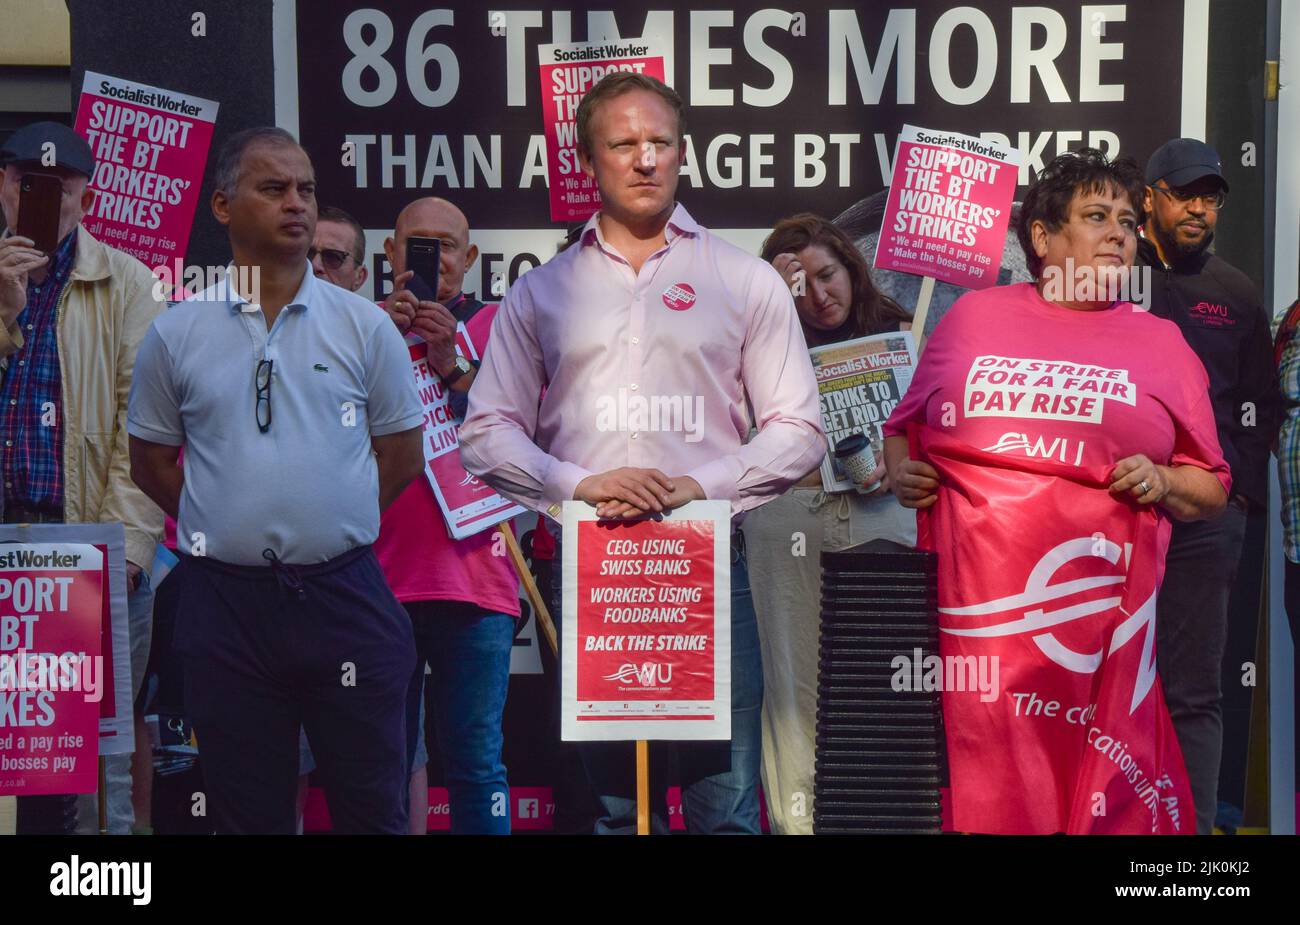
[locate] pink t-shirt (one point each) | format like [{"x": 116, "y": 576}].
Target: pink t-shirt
[
  {"x": 1008, "y": 372},
  {"x": 422, "y": 562}
]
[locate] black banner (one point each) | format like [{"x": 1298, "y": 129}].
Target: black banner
[{"x": 785, "y": 109}]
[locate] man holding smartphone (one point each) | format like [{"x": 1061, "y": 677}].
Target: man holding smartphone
[
  {"x": 72, "y": 314},
  {"x": 462, "y": 599},
  {"x": 427, "y": 300}
]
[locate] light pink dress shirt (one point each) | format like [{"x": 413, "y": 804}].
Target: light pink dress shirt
[{"x": 668, "y": 368}]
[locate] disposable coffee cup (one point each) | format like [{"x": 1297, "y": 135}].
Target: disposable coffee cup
[{"x": 856, "y": 457}]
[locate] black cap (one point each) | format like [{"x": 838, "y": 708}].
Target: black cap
[
  {"x": 1184, "y": 160},
  {"x": 28, "y": 144}
]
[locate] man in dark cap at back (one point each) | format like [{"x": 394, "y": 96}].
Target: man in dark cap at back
[
  {"x": 70, "y": 322},
  {"x": 1223, "y": 319}
]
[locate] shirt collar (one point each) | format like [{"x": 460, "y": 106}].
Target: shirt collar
[
  {"x": 230, "y": 288},
  {"x": 679, "y": 223}
]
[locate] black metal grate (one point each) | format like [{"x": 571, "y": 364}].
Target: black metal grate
[{"x": 880, "y": 752}]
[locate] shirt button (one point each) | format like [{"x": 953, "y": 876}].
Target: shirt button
[
  {"x": 30, "y": 328},
  {"x": 11, "y": 443},
  {"x": 22, "y": 362},
  {"x": 634, "y": 436},
  {"x": 634, "y": 387},
  {"x": 13, "y": 401},
  {"x": 636, "y": 340}
]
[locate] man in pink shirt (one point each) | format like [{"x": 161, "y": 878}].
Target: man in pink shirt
[
  {"x": 462, "y": 599},
  {"x": 649, "y": 310}
]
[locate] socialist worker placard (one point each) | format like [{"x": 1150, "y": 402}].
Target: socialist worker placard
[
  {"x": 646, "y": 637},
  {"x": 949, "y": 204},
  {"x": 150, "y": 146},
  {"x": 52, "y": 675},
  {"x": 568, "y": 72}
]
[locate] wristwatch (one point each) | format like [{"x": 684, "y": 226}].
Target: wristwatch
[{"x": 462, "y": 367}]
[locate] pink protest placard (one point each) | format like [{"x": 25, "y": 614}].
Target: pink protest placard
[
  {"x": 468, "y": 504},
  {"x": 150, "y": 147},
  {"x": 568, "y": 72},
  {"x": 949, "y": 203},
  {"x": 52, "y": 675}
]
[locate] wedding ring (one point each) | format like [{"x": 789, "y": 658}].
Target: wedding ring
[{"x": 1144, "y": 486}]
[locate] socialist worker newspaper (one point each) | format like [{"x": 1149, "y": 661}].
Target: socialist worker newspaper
[{"x": 859, "y": 382}]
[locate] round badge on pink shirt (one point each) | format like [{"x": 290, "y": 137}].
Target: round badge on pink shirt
[{"x": 679, "y": 296}]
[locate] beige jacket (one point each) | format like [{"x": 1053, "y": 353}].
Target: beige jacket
[{"x": 103, "y": 313}]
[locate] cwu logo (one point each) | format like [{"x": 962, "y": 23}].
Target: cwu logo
[
  {"x": 1058, "y": 448},
  {"x": 473, "y": 483},
  {"x": 1025, "y": 612},
  {"x": 648, "y": 674}
]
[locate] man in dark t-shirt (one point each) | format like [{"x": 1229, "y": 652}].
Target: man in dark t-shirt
[{"x": 1223, "y": 320}]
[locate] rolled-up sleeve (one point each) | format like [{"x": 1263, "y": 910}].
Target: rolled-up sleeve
[
  {"x": 393, "y": 403},
  {"x": 496, "y": 440},
  {"x": 153, "y": 406},
  {"x": 782, "y": 392}
]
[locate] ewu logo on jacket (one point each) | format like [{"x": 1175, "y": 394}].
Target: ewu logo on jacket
[
  {"x": 1043, "y": 569},
  {"x": 1211, "y": 315}
]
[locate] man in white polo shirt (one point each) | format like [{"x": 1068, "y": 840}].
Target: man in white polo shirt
[
  {"x": 300, "y": 423},
  {"x": 650, "y": 302}
]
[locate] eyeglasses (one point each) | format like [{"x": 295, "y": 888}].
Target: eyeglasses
[
  {"x": 1213, "y": 201},
  {"x": 331, "y": 258},
  {"x": 262, "y": 379}
]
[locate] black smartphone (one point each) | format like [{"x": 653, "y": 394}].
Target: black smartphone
[
  {"x": 40, "y": 200},
  {"x": 423, "y": 256}
]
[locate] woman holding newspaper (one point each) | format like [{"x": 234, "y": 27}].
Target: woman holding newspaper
[{"x": 837, "y": 302}]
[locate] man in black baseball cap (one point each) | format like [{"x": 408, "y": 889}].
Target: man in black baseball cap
[
  {"x": 1222, "y": 318},
  {"x": 71, "y": 318},
  {"x": 48, "y": 148},
  {"x": 46, "y": 145},
  {"x": 1186, "y": 179}
]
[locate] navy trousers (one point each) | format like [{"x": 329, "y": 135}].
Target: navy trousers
[
  {"x": 1191, "y": 636},
  {"x": 265, "y": 649}
]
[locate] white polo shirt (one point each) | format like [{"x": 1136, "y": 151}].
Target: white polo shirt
[{"x": 308, "y": 488}]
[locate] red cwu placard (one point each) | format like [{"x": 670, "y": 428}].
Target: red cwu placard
[{"x": 646, "y": 630}]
